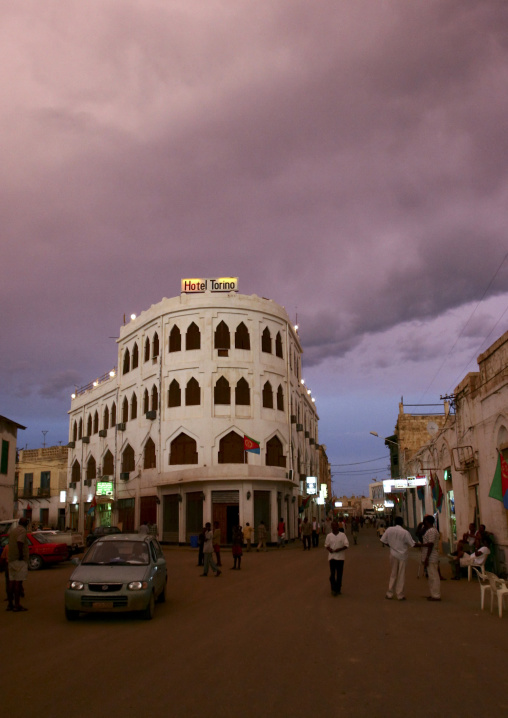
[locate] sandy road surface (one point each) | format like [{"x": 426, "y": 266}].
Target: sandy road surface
[{"x": 268, "y": 640}]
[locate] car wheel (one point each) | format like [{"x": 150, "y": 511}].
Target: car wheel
[
  {"x": 35, "y": 562},
  {"x": 149, "y": 611},
  {"x": 162, "y": 594},
  {"x": 71, "y": 615}
]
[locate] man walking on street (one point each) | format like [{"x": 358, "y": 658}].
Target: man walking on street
[
  {"x": 315, "y": 532},
  {"x": 336, "y": 543},
  {"x": 430, "y": 557},
  {"x": 247, "y": 535},
  {"x": 18, "y": 561},
  {"x": 306, "y": 533},
  {"x": 208, "y": 552},
  {"x": 261, "y": 536},
  {"x": 399, "y": 540}
]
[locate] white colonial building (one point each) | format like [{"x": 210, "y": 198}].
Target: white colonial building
[{"x": 161, "y": 438}]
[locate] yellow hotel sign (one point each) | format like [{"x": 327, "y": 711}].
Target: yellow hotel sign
[{"x": 220, "y": 284}]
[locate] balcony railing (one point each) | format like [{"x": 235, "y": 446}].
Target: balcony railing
[
  {"x": 44, "y": 491},
  {"x": 92, "y": 384}
]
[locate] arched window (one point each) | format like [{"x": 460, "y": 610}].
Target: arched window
[
  {"x": 146, "y": 402},
  {"x": 147, "y": 349},
  {"x": 134, "y": 407},
  {"x": 128, "y": 460},
  {"x": 222, "y": 339},
  {"x": 175, "y": 340},
  {"x": 155, "y": 398},
  {"x": 80, "y": 429},
  {"x": 113, "y": 414},
  {"x": 108, "y": 464},
  {"x": 135, "y": 357},
  {"x": 268, "y": 396},
  {"x": 155, "y": 345},
  {"x": 149, "y": 461},
  {"x": 278, "y": 345},
  {"x": 274, "y": 453},
  {"x": 266, "y": 341},
  {"x": 242, "y": 393},
  {"x": 91, "y": 468},
  {"x": 75, "y": 432},
  {"x": 105, "y": 419},
  {"x": 242, "y": 338},
  {"x": 280, "y": 398},
  {"x": 95, "y": 422},
  {"x": 125, "y": 410},
  {"x": 89, "y": 425},
  {"x": 222, "y": 392},
  {"x": 174, "y": 394},
  {"x": 192, "y": 393},
  {"x": 231, "y": 449},
  {"x": 126, "y": 361},
  {"x": 183, "y": 450},
  {"x": 76, "y": 472},
  {"x": 193, "y": 337}
]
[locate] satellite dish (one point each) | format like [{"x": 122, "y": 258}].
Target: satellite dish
[{"x": 432, "y": 428}]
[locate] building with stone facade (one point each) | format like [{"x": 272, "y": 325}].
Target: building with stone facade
[
  {"x": 161, "y": 439},
  {"x": 461, "y": 455},
  {"x": 8, "y": 439},
  {"x": 41, "y": 484}
]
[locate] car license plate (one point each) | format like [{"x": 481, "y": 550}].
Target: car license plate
[{"x": 101, "y": 604}]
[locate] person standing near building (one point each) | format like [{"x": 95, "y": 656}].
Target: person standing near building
[
  {"x": 336, "y": 543},
  {"x": 306, "y": 533},
  {"x": 18, "y": 561},
  {"x": 247, "y": 535},
  {"x": 354, "y": 529},
  {"x": 208, "y": 553},
  {"x": 261, "y": 536},
  {"x": 400, "y": 541},
  {"x": 216, "y": 541},
  {"x": 430, "y": 557},
  {"x": 281, "y": 533},
  {"x": 237, "y": 541},
  {"x": 315, "y": 532}
]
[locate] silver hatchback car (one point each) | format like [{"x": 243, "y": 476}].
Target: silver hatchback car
[{"x": 119, "y": 572}]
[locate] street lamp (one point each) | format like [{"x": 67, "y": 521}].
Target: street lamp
[{"x": 387, "y": 441}]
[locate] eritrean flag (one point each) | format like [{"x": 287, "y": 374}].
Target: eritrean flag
[
  {"x": 251, "y": 445},
  {"x": 499, "y": 486},
  {"x": 92, "y": 506},
  {"x": 437, "y": 492}
]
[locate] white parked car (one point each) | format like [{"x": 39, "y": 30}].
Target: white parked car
[{"x": 73, "y": 540}]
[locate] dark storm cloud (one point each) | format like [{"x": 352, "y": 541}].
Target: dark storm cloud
[{"x": 345, "y": 159}]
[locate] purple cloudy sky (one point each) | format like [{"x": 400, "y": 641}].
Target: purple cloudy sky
[{"x": 346, "y": 159}]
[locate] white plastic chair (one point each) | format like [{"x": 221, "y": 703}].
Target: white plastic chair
[
  {"x": 479, "y": 569},
  {"x": 484, "y": 583},
  {"x": 499, "y": 589}
]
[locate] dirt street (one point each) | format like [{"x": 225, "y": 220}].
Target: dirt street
[{"x": 268, "y": 640}]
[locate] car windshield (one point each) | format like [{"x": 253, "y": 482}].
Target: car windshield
[
  {"x": 44, "y": 538},
  {"x": 117, "y": 553}
]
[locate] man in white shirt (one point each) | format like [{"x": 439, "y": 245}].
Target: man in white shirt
[
  {"x": 477, "y": 558},
  {"x": 399, "y": 540},
  {"x": 336, "y": 543}
]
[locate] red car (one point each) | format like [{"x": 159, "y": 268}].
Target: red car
[{"x": 42, "y": 551}]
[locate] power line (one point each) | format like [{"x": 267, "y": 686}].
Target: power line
[
  {"x": 484, "y": 341},
  {"x": 465, "y": 325},
  {"x": 369, "y": 461}
]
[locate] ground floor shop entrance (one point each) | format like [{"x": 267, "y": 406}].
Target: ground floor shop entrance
[
  {"x": 226, "y": 510},
  {"x": 171, "y": 518},
  {"x": 262, "y": 511}
]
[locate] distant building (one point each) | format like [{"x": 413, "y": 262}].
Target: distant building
[
  {"x": 8, "y": 439},
  {"x": 161, "y": 439},
  {"x": 41, "y": 485}
]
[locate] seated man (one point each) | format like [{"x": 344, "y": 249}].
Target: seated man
[
  {"x": 483, "y": 537},
  {"x": 477, "y": 558}
]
